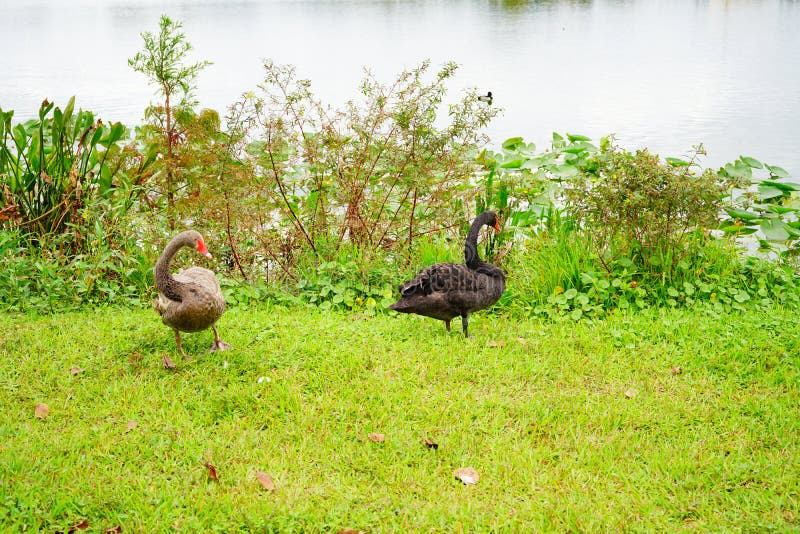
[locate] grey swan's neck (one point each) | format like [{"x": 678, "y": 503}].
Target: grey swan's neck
[{"x": 166, "y": 283}]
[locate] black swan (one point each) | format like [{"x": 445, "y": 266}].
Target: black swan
[
  {"x": 191, "y": 300},
  {"x": 446, "y": 290}
]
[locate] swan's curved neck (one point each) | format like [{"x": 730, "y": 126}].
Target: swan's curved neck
[
  {"x": 471, "y": 257},
  {"x": 165, "y": 282}
]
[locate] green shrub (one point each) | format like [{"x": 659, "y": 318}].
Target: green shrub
[
  {"x": 52, "y": 168},
  {"x": 654, "y": 214},
  {"x": 377, "y": 174},
  {"x": 46, "y": 279}
]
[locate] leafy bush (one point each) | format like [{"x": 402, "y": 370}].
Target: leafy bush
[
  {"x": 377, "y": 174},
  {"x": 165, "y": 133},
  {"x": 653, "y": 214},
  {"x": 52, "y": 168},
  {"x": 46, "y": 279}
]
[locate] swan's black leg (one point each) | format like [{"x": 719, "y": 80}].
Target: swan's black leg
[
  {"x": 464, "y": 323},
  {"x": 447, "y": 325}
]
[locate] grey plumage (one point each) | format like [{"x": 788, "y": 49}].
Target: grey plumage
[{"x": 190, "y": 301}]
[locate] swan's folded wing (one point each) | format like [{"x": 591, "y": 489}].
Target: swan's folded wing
[{"x": 441, "y": 277}]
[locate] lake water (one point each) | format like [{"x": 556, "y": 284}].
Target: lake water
[{"x": 662, "y": 74}]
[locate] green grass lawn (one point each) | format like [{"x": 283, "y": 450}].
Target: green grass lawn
[{"x": 663, "y": 421}]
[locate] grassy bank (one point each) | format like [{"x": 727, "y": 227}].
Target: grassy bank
[{"x": 662, "y": 421}]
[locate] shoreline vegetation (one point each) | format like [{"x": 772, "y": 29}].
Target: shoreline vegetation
[{"x": 639, "y": 372}]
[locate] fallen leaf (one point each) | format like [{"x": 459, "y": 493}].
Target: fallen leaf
[
  {"x": 131, "y": 425},
  {"x": 429, "y": 443},
  {"x": 522, "y": 341},
  {"x": 350, "y": 531},
  {"x": 676, "y": 370},
  {"x": 377, "y": 438},
  {"x": 168, "y": 363},
  {"x": 467, "y": 475},
  {"x": 630, "y": 393},
  {"x": 83, "y": 525},
  {"x": 75, "y": 370},
  {"x": 212, "y": 471},
  {"x": 497, "y": 343},
  {"x": 265, "y": 480},
  {"x": 113, "y": 530},
  {"x": 41, "y": 411}
]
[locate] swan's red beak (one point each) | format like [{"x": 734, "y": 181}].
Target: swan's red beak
[
  {"x": 496, "y": 225},
  {"x": 201, "y": 248}
]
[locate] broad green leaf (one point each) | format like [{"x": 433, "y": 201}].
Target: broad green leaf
[
  {"x": 513, "y": 164},
  {"x": 780, "y": 210},
  {"x": 677, "y": 162},
  {"x": 576, "y": 137},
  {"x": 512, "y": 143},
  {"x": 70, "y": 107},
  {"x": 752, "y": 162},
  {"x": 741, "y": 297},
  {"x": 570, "y": 293},
  {"x": 766, "y": 192},
  {"x": 729, "y": 227},
  {"x": 784, "y": 186},
  {"x": 564, "y": 171},
  {"x": 774, "y": 230},
  {"x": 777, "y": 171}
]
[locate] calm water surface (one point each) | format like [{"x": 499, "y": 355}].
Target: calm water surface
[{"x": 662, "y": 74}]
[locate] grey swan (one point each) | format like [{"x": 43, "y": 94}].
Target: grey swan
[
  {"x": 446, "y": 290},
  {"x": 190, "y": 301}
]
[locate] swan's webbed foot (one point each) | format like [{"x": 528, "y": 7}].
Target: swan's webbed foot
[{"x": 218, "y": 344}]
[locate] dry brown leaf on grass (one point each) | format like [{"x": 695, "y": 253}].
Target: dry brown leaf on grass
[
  {"x": 131, "y": 425},
  {"x": 75, "y": 370},
  {"x": 265, "y": 480},
  {"x": 350, "y": 531},
  {"x": 168, "y": 363},
  {"x": 41, "y": 411},
  {"x": 676, "y": 370},
  {"x": 212, "y": 471},
  {"x": 467, "y": 475},
  {"x": 83, "y": 525},
  {"x": 429, "y": 443},
  {"x": 522, "y": 341},
  {"x": 497, "y": 344},
  {"x": 630, "y": 393},
  {"x": 377, "y": 438},
  {"x": 113, "y": 530}
]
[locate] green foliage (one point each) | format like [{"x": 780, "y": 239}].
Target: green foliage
[
  {"x": 765, "y": 207},
  {"x": 162, "y": 61},
  {"x": 557, "y": 275},
  {"x": 651, "y": 213},
  {"x": 46, "y": 280},
  {"x": 53, "y": 169},
  {"x": 524, "y": 186},
  {"x": 377, "y": 174}
]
